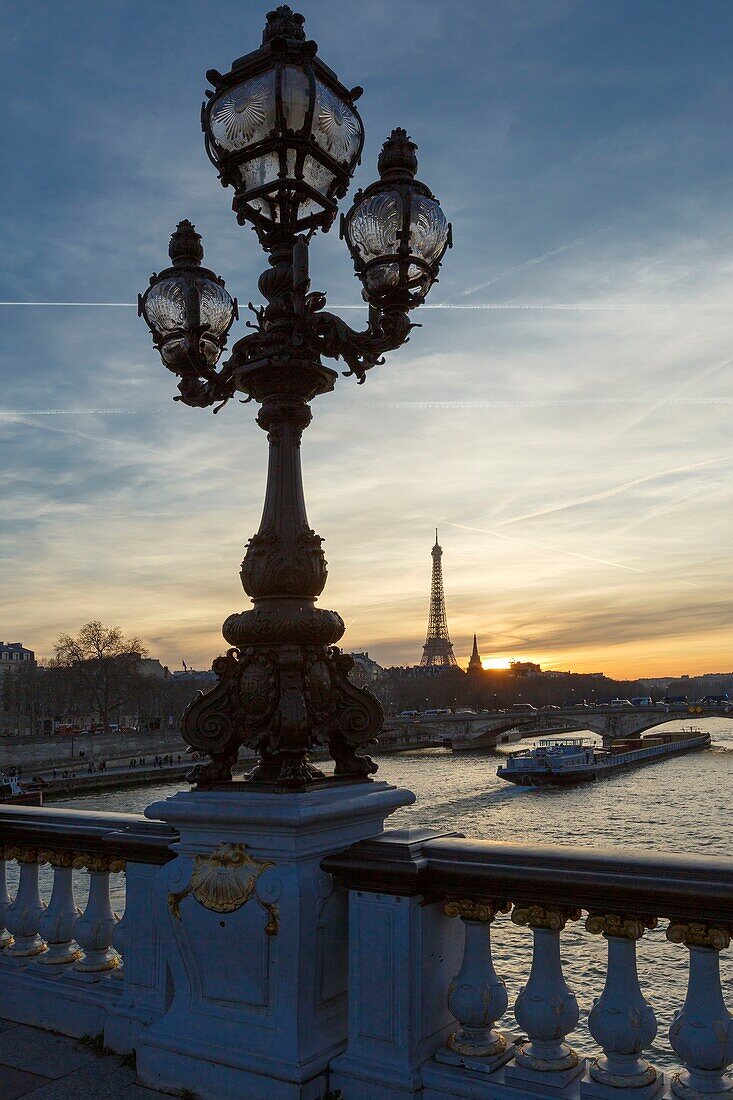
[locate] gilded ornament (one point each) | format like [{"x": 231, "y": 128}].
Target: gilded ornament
[
  {"x": 21, "y": 854},
  {"x": 224, "y": 882},
  {"x": 647, "y": 1075},
  {"x": 537, "y": 916},
  {"x": 56, "y": 859},
  {"x": 490, "y": 1049},
  {"x": 475, "y": 909},
  {"x": 696, "y": 934},
  {"x": 98, "y": 863},
  {"x": 568, "y": 1060},
  {"x": 611, "y": 924}
]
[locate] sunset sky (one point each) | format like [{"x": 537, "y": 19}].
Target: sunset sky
[{"x": 563, "y": 416}]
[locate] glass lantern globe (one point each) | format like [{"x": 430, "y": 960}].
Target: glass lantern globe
[
  {"x": 396, "y": 232},
  {"x": 187, "y": 307},
  {"x": 283, "y": 131}
]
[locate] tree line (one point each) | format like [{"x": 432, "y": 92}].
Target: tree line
[
  {"x": 494, "y": 689},
  {"x": 95, "y": 676}
]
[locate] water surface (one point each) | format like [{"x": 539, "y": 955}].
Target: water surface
[{"x": 681, "y": 805}]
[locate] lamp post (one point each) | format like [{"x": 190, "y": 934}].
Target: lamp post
[{"x": 285, "y": 133}]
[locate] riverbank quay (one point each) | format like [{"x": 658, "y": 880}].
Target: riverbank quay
[
  {"x": 117, "y": 777},
  {"x": 49, "y": 757},
  {"x": 112, "y": 778},
  {"x": 39, "y": 754},
  {"x": 368, "y": 960}
]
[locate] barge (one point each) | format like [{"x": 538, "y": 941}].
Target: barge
[
  {"x": 555, "y": 763},
  {"x": 15, "y": 793}
]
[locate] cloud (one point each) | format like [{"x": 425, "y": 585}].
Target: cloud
[{"x": 584, "y": 402}]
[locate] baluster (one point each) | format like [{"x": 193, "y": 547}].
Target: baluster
[
  {"x": 701, "y": 1034},
  {"x": 546, "y": 1008},
  {"x": 24, "y": 914},
  {"x": 59, "y": 920},
  {"x": 621, "y": 1021},
  {"x": 118, "y": 942},
  {"x": 5, "y": 937},
  {"x": 95, "y": 927},
  {"x": 477, "y": 996}
]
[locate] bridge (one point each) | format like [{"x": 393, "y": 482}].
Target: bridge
[{"x": 485, "y": 730}]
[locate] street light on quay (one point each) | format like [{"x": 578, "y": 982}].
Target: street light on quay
[{"x": 285, "y": 134}]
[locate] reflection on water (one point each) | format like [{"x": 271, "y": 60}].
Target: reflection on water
[{"x": 679, "y": 805}]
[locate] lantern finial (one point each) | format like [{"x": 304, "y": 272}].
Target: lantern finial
[
  {"x": 185, "y": 248},
  {"x": 397, "y": 158},
  {"x": 283, "y": 22}
]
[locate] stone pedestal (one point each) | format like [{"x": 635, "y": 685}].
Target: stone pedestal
[
  {"x": 403, "y": 952},
  {"x": 142, "y": 979},
  {"x": 256, "y": 939}
]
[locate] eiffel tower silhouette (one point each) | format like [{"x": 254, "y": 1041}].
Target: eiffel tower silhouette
[{"x": 438, "y": 649}]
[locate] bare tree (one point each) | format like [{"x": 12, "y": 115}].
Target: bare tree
[{"x": 106, "y": 662}]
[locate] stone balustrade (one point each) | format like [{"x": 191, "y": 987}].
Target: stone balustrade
[
  {"x": 445, "y": 882},
  {"x": 59, "y": 961},
  {"x": 428, "y": 920}
]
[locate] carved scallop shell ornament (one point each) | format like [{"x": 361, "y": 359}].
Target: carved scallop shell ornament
[{"x": 224, "y": 882}]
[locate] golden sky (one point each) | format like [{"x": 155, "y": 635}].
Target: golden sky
[{"x": 564, "y": 418}]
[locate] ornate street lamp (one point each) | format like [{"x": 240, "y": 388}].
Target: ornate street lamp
[
  {"x": 285, "y": 134},
  {"x": 189, "y": 313}
]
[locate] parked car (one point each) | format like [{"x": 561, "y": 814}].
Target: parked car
[{"x": 641, "y": 701}]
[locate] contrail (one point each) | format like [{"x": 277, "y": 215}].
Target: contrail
[
  {"x": 122, "y": 305},
  {"x": 109, "y": 442},
  {"x": 527, "y": 264},
  {"x": 665, "y": 509},
  {"x": 12, "y": 413},
  {"x": 712, "y": 368},
  {"x": 610, "y": 307},
  {"x": 554, "y": 403},
  {"x": 568, "y": 553},
  {"x": 616, "y": 490}
]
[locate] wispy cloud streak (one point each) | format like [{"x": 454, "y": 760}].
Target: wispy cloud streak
[
  {"x": 618, "y": 490},
  {"x": 570, "y": 553}
]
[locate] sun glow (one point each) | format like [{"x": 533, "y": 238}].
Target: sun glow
[{"x": 496, "y": 663}]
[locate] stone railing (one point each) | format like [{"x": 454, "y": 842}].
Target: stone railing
[
  {"x": 425, "y": 999},
  {"x": 66, "y": 968},
  {"x": 423, "y": 994}
]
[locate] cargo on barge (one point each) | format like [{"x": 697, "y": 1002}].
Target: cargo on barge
[{"x": 554, "y": 763}]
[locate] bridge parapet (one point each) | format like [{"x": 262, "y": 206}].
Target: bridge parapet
[
  {"x": 609, "y": 722},
  {"x": 460, "y": 894},
  {"x": 424, "y": 996}
]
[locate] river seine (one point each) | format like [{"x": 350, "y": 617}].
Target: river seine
[{"x": 679, "y": 805}]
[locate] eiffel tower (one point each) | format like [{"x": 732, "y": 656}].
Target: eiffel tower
[{"x": 438, "y": 649}]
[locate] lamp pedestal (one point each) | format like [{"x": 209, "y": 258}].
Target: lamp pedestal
[{"x": 255, "y": 936}]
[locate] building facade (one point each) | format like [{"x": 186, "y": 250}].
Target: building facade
[
  {"x": 13, "y": 655},
  {"x": 16, "y": 702}
]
